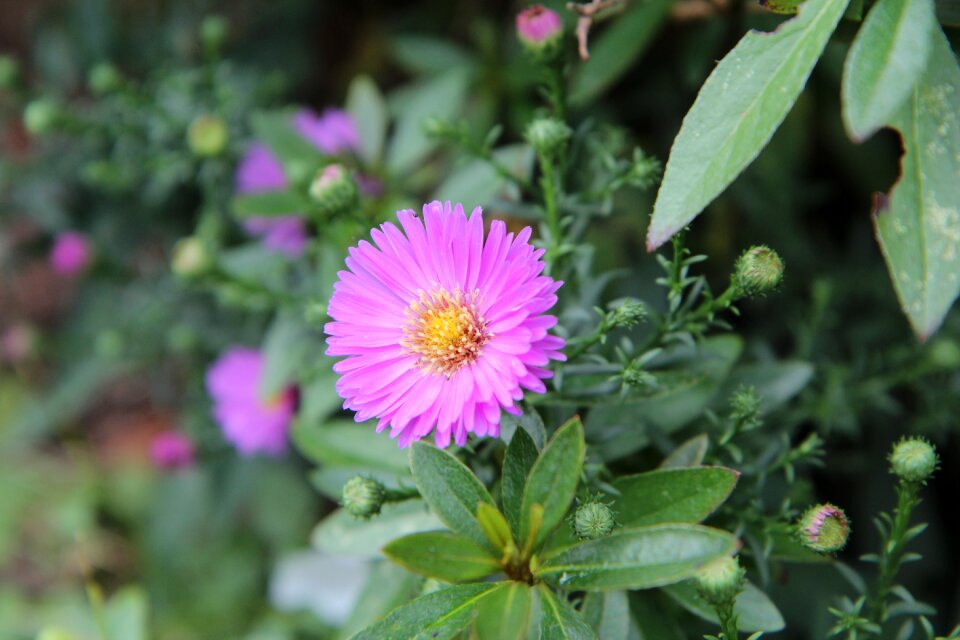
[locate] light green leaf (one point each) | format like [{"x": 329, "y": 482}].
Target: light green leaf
[
  {"x": 559, "y": 621},
  {"x": 125, "y": 615},
  {"x": 505, "y": 613},
  {"x": 617, "y": 48},
  {"x": 553, "y": 480},
  {"x": 269, "y": 204},
  {"x": 688, "y": 454},
  {"x": 638, "y": 558},
  {"x": 886, "y": 59},
  {"x": 451, "y": 490},
  {"x": 754, "y": 610},
  {"x": 918, "y": 227},
  {"x": 286, "y": 351},
  {"x": 478, "y": 184},
  {"x": 369, "y": 111},
  {"x": 275, "y": 129},
  {"x": 519, "y": 459},
  {"x": 345, "y": 443},
  {"x": 343, "y": 534},
  {"x": 775, "y": 382},
  {"x": 494, "y": 526},
  {"x": 608, "y": 613},
  {"x": 736, "y": 113},
  {"x": 388, "y": 587},
  {"x": 672, "y": 495},
  {"x": 436, "y": 616},
  {"x": 423, "y": 54},
  {"x": 442, "y": 555}
]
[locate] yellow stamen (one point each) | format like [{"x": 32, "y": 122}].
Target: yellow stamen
[{"x": 446, "y": 330}]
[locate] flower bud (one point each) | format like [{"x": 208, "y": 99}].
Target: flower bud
[
  {"x": 548, "y": 136},
  {"x": 627, "y": 314},
  {"x": 914, "y": 459},
  {"x": 171, "y": 450},
  {"x": 190, "y": 258},
  {"x": 745, "y": 407},
  {"x": 208, "y": 136},
  {"x": 71, "y": 253},
  {"x": 720, "y": 581},
  {"x": 9, "y": 71},
  {"x": 593, "y": 520},
  {"x": 104, "y": 78},
  {"x": 213, "y": 33},
  {"x": 758, "y": 271},
  {"x": 540, "y": 31},
  {"x": 333, "y": 190},
  {"x": 40, "y": 116},
  {"x": 824, "y": 528},
  {"x": 634, "y": 375},
  {"x": 363, "y": 497}
]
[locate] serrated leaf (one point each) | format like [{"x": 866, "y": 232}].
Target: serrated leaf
[
  {"x": 672, "y": 495},
  {"x": 451, "y": 490},
  {"x": 553, "y": 480},
  {"x": 369, "y": 111},
  {"x": 637, "y": 558},
  {"x": 519, "y": 459},
  {"x": 269, "y": 204},
  {"x": 886, "y": 59},
  {"x": 754, "y": 610},
  {"x": 918, "y": 226},
  {"x": 343, "y": 534},
  {"x": 436, "y": 616},
  {"x": 442, "y": 555},
  {"x": 505, "y": 613},
  {"x": 559, "y": 621},
  {"x": 736, "y": 113}
]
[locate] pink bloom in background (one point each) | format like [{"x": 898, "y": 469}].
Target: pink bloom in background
[
  {"x": 70, "y": 254},
  {"x": 171, "y": 450},
  {"x": 18, "y": 343},
  {"x": 537, "y": 24},
  {"x": 253, "y": 424},
  {"x": 333, "y": 132},
  {"x": 440, "y": 328}
]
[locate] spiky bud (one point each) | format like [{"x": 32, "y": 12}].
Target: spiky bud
[
  {"x": 758, "y": 271},
  {"x": 333, "y": 191},
  {"x": 627, "y": 314},
  {"x": 104, "y": 78},
  {"x": 540, "y": 31},
  {"x": 208, "y": 136},
  {"x": 548, "y": 136},
  {"x": 745, "y": 407},
  {"x": 363, "y": 497},
  {"x": 913, "y": 460},
  {"x": 40, "y": 116},
  {"x": 824, "y": 528},
  {"x": 593, "y": 520},
  {"x": 720, "y": 581}
]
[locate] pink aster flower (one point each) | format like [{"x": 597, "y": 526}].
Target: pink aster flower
[
  {"x": 536, "y": 25},
  {"x": 70, "y": 254},
  {"x": 171, "y": 450},
  {"x": 441, "y": 328},
  {"x": 253, "y": 424}
]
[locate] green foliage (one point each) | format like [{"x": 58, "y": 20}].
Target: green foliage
[
  {"x": 442, "y": 555},
  {"x": 672, "y": 495}
]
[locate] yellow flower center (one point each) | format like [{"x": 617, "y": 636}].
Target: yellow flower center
[{"x": 446, "y": 330}]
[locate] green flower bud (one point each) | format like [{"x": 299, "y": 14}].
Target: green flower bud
[
  {"x": 593, "y": 520},
  {"x": 104, "y": 78},
  {"x": 333, "y": 191},
  {"x": 208, "y": 136},
  {"x": 824, "y": 528},
  {"x": 190, "y": 258},
  {"x": 745, "y": 407},
  {"x": 758, "y": 271},
  {"x": 40, "y": 116},
  {"x": 634, "y": 375},
  {"x": 363, "y": 497},
  {"x": 914, "y": 459},
  {"x": 720, "y": 581},
  {"x": 944, "y": 353},
  {"x": 9, "y": 71},
  {"x": 109, "y": 344},
  {"x": 316, "y": 314},
  {"x": 548, "y": 136},
  {"x": 628, "y": 313},
  {"x": 213, "y": 33}
]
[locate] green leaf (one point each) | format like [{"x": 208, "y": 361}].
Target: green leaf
[
  {"x": 918, "y": 226},
  {"x": 530, "y": 421},
  {"x": 269, "y": 203},
  {"x": 672, "y": 495},
  {"x": 348, "y": 444},
  {"x": 477, "y": 183},
  {"x": 688, "y": 454},
  {"x": 369, "y": 111},
  {"x": 754, "y": 610},
  {"x": 126, "y": 615},
  {"x": 275, "y": 129},
  {"x": 736, "y": 113},
  {"x": 517, "y": 462},
  {"x": 559, "y": 621},
  {"x": 387, "y": 587},
  {"x": 286, "y": 352},
  {"x": 650, "y": 619},
  {"x": 436, "y": 616},
  {"x": 505, "y": 613},
  {"x": 442, "y": 555},
  {"x": 886, "y": 59},
  {"x": 450, "y": 488},
  {"x": 422, "y": 54},
  {"x": 617, "y": 48},
  {"x": 637, "y": 558},
  {"x": 775, "y": 382},
  {"x": 608, "y": 613},
  {"x": 343, "y": 534},
  {"x": 553, "y": 479},
  {"x": 494, "y": 526}
]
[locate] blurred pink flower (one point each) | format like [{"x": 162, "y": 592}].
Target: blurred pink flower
[
  {"x": 70, "y": 254},
  {"x": 253, "y": 424},
  {"x": 171, "y": 450},
  {"x": 441, "y": 328},
  {"x": 18, "y": 342},
  {"x": 333, "y": 132},
  {"x": 537, "y": 24}
]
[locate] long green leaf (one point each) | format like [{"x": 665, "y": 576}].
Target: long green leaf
[
  {"x": 451, "y": 490},
  {"x": 886, "y": 59},
  {"x": 343, "y": 534},
  {"x": 736, "y": 113},
  {"x": 918, "y": 226},
  {"x": 505, "y": 613},
  {"x": 436, "y": 616},
  {"x": 559, "y": 621},
  {"x": 369, "y": 111},
  {"x": 553, "y": 480},
  {"x": 754, "y": 610},
  {"x": 637, "y": 558},
  {"x": 672, "y": 495},
  {"x": 442, "y": 555},
  {"x": 517, "y": 462},
  {"x": 608, "y": 613}
]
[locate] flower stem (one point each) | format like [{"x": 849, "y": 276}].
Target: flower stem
[
  {"x": 728, "y": 621},
  {"x": 891, "y": 556},
  {"x": 550, "y": 184}
]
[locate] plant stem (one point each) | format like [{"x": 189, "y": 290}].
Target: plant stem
[
  {"x": 550, "y": 185},
  {"x": 728, "y": 622},
  {"x": 556, "y": 92},
  {"x": 891, "y": 555}
]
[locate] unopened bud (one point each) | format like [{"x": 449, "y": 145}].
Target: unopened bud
[
  {"x": 208, "y": 136},
  {"x": 190, "y": 257},
  {"x": 540, "y": 31},
  {"x": 40, "y": 116},
  {"x": 593, "y": 520},
  {"x": 758, "y": 271},
  {"x": 9, "y": 71},
  {"x": 914, "y": 459},
  {"x": 333, "y": 191},
  {"x": 548, "y": 136},
  {"x": 213, "y": 33},
  {"x": 824, "y": 528},
  {"x": 627, "y": 314},
  {"x": 745, "y": 408},
  {"x": 363, "y": 497},
  {"x": 720, "y": 581},
  {"x": 104, "y": 78}
]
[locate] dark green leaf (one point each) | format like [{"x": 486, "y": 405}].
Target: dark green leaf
[
  {"x": 343, "y": 534},
  {"x": 608, "y": 613},
  {"x": 687, "y": 454},
  {"x": 388, "y": 587},
  {"x": 517, "y": 462},
  {"x": 559, "y": 621},
  {"x": 553, "y": 480},
  {"x": 672, "y": 495},
  {"x": 442, "y": 555},
  {"x": 530, "y": 421},
  {"x": 478, "y": 183},
  {"x": 775, "y": 382},
  {"x": 505, "y": 613},
  {"x": 422, "y": 54},
  {"x": 754, "y": 610},
  {"x": 450, "y": 488},
  {"x": 270, "y": 203},
  {"x": 637, "y": 558}
]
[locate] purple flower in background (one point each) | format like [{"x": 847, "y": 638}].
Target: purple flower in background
[
  {"x": 333, "y": 132},
  {"x": 171, "y": 450},
  {"x": 252, "y": 423},
  {"x": 70, "y": 254},
  {"x": 442, "y": 328}
]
